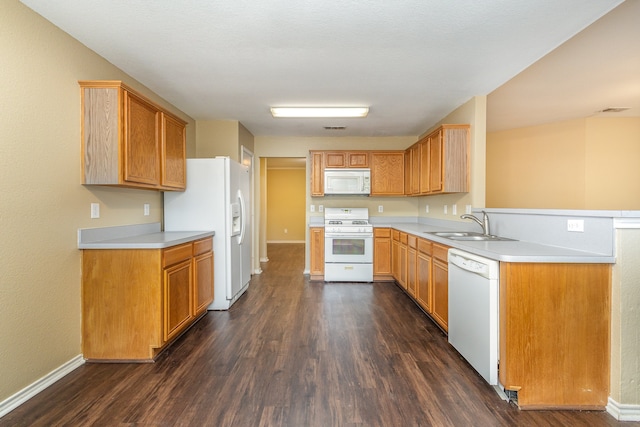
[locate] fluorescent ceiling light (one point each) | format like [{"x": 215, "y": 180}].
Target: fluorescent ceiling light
[{"x": 319, "y": 111}]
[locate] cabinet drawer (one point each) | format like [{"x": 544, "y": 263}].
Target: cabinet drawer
[
  {"x": 382, "y": 232},
  {"x": 412, "y": 241},
  {"x": 424, "y": 246},
  {"x": 440, "y": 252},
  {"x": 176, "y": 254},
  {"x": 396, "y": 235},
  {"x": 202, "y": 246},
  {"x": 403, "y": 238}
]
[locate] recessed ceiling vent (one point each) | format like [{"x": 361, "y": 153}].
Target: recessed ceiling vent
[
  {"x": 614, "y": 110},
  {"x": 335, "y": 127}
]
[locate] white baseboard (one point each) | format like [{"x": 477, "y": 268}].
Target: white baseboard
[
  {"x": 257, "y": 271},
  {"x": 264, "y": 259},
  {"x": 31, "y": 390},
  {"x": 622, "y": 412}
]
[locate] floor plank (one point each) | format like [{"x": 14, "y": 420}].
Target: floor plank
[{"x": 294, "y": 353}]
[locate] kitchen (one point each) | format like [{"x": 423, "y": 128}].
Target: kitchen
[{"x": 43, "y": 318}]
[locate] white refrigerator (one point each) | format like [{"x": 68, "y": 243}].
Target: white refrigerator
[{"x": 217, "y": 198}]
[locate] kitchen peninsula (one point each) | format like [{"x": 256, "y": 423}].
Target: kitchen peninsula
[
  {"x": 141, "y": 289},
  {"x": 554, "y": 296}
]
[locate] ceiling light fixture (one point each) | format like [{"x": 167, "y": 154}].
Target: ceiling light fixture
[
  {"x": 614, "y": 110},
  {"x": 314, "y": 112}
]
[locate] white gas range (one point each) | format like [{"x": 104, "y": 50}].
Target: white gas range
[{"x": 348, "y": 248}]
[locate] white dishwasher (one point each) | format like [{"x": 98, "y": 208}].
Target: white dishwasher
[{"x": 473, "y": 311}]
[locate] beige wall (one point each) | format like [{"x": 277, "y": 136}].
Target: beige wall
[
  {"x": 42, "y": 202},
  {"x": 222, "y": 138},
  {"x": 579, "y": 164},
  {"x": 286, "y": 205}
]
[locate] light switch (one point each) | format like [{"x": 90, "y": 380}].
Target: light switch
[
  {"x": 146, "y": 209},
  {"x": 380, "y": 208},
  {"x": 320, "y": 208},
  {"x": 312, "y": 208},
  {"x": 454, "y": 209},
  {"x": 95, "y": 210},
  {"x": 446, "y": 209}
]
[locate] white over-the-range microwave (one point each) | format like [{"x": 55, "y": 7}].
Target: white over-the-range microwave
[{"x": 347, "y": 181}]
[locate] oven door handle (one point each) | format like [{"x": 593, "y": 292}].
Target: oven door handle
[{"x": 348, "y": 236}]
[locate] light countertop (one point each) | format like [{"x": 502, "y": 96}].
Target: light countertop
[
  {"x": 139, "y": 236},
  {"x": 508, "y": 251}
]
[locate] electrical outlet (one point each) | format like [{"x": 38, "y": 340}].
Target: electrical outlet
[
  {"x": 312, "y": 208},
  {"x": 454, "y": 209},
  {"x": 95, "y": 210},
  {"x": 467, "y": 209},
  {"x": 380, "y": 208},
  {"x": 446, "y": 209},
  {"x": 426, "y": 209},
  {"x": 575, "y": 225},
  {"x": 320, "y": 208},
  {"x": 145, "y": 208},
  {"x": 286, "y": 231}
]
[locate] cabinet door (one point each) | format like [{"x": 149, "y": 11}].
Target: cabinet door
[
  {"x": 316, "y": 240},
  {"x": 141, "y": 162},
  {"x": 412, "y": 259},
  {"x": 202, "y": 282},
  {"x": 317, "y": 174},
  {"x": 173, "y": 154},
  {"x": 387, "y": 173},
  {"x": 435, "y": 162},
  {"x": 337, "y": 159},
  {"x": 425, "y": 166},
  {"x": 395, "y": 258},
  {"x": 423, "y": 291},
  {"x": 403, "y": 261},
  {"x": 358, "y": 159},
  {"x": 177, "y": 298},
  {"x": 382, "y": 252},
  {"x": 414, "y": 170},
  {"x": 440, "y": 298}
]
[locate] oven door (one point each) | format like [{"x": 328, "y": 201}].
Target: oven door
[{"x": 348, "y": 248}]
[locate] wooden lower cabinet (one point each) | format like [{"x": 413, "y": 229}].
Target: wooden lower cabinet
[
  {"x": 423, "y": 267},
  {"x": 316, "y": 253},
  {"x": 382, "y": 255},
  {"x": 412, "y": 261},
  {"x": 136, "y": 301},
  {"x": 440, "y": 285},
  {"x": 554, "y": 334}
]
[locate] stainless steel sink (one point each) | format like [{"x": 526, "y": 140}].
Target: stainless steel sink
[{"x": 468, "y": 236}]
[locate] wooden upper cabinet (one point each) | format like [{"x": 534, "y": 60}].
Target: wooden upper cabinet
[
  {"x": 129, "y": 141},
  {"x": 425, "y": 156},
  {"x": 335, "y": 159},
  {"x": 173, "y": 166},
  {"x": 317, "y": 173},
  {"x": 346, "y": 159},
  {"x": 358, "y": 159},
  {"x": 412, "y": 170},
  {"x": 387, "y": 173},
  {"x": 141, "y": 141},
  {"x": 435, "y": 162}
]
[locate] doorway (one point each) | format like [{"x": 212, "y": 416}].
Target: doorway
[{"x": 286, "y": 199}]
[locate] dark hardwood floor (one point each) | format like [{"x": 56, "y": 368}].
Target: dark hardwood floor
[{"x": 294, "y": 353}]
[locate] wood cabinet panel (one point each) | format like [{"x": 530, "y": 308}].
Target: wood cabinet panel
[
  {"x": 423, "y": 287},
  {"x": 387, "y": 173},
  {"x": 316, "y": 242},
  {"x": 177, "y": 298},
  {"x": 203, "y": 281},
  {"x": 440, "y": 293},
  {"x": 358, "y": 159},
  {"x": 412, "y": 261},
  {"x": 382, "y": 254},
  {"x": 435, "y": 162},
  {"x": 335, "y": 159},
  {"x": 554, "y": 334},
  {"x": 129, "y": 141},
  {"x": 317, "y": 173},
  {"x": 174, "y": 153}
]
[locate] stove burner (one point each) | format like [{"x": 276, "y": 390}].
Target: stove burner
[
  {"x": 334, "y": 222},
  {"x": 359, "y": 222}
]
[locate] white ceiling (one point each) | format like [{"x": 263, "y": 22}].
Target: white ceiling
[{"x": 410, "y": 61}]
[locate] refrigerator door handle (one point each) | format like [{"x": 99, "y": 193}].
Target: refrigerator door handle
[{"x": 242, "y": 217}]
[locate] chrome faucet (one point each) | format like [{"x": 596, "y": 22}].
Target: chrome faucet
[{"x": 484, "y": 223}]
